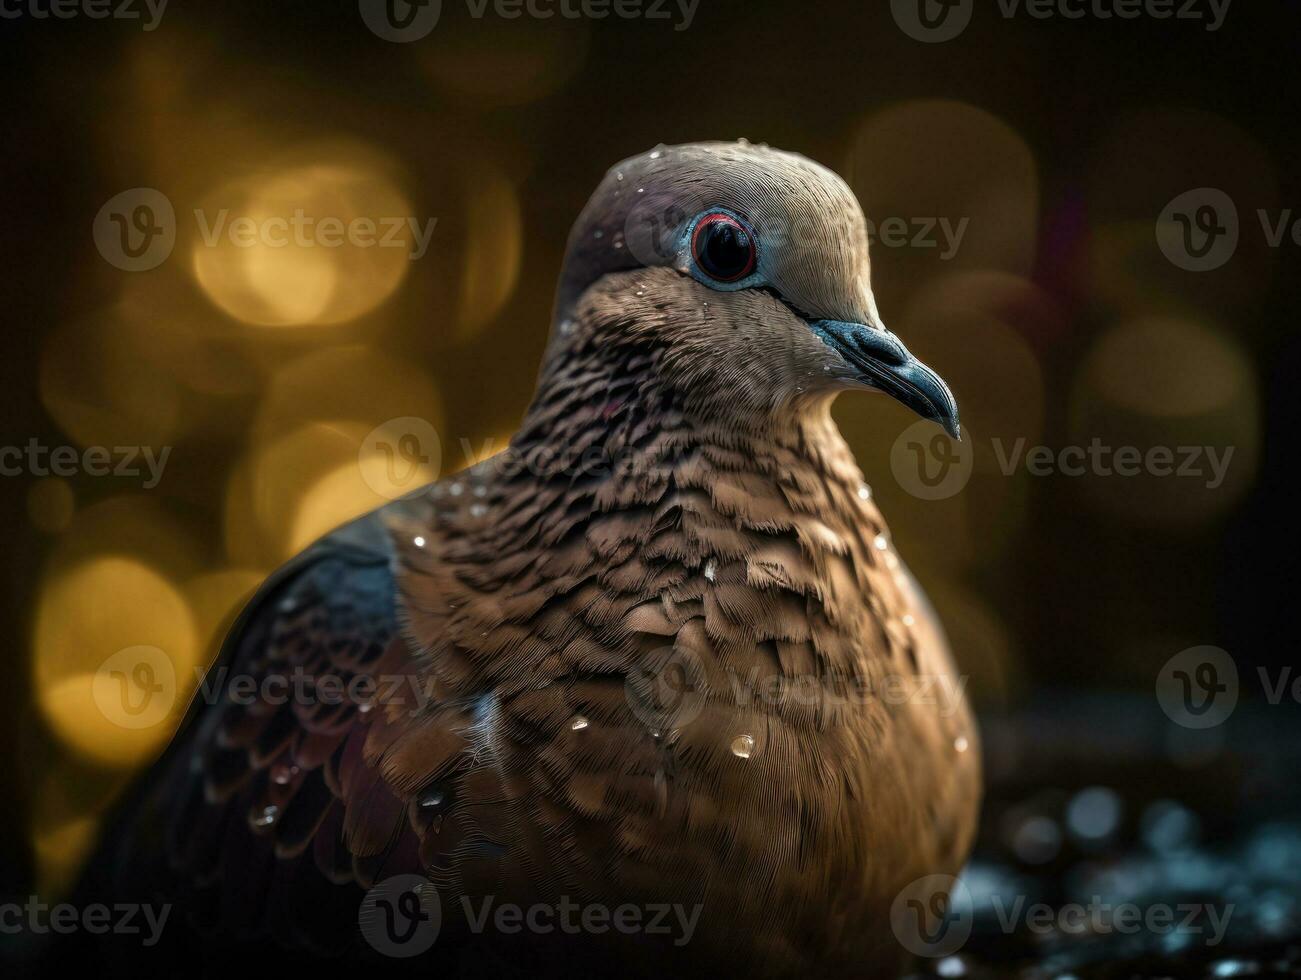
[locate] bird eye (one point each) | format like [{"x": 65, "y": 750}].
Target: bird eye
[{"x": 723, "y": 248}]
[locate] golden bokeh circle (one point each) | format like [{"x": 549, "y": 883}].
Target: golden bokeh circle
[{"x": 316, "y": 244}]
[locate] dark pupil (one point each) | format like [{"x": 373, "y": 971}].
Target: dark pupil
[{"x": 725, "y": 252}]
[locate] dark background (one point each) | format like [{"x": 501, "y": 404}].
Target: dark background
[{"x": 1058, "y": 320}]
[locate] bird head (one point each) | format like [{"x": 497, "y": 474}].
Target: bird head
[{"x": 749, "y": 266}]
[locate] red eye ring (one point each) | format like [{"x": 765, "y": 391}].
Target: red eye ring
[{"x": 723, "y": 248}]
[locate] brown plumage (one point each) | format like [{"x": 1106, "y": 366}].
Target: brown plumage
[{"x": 651, "y": 654}]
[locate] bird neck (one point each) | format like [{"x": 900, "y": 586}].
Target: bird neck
[{"x": 604, "y": 410}]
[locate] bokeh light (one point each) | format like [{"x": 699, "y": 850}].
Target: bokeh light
[
  {"x": 50, "y": 504},
  {"x": 90, "y": 614},
  {"x": 318, "y": 244},
  {"x": 964, "y": 183},
  {"x": 1183, "y": 389}
]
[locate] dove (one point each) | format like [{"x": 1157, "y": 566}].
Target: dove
[{"x": 651, "y": 689}]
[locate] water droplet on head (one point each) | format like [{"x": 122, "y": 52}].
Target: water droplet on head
[
  {"x": 433, "y": 797},
  {"x": 880, "y": 542},
  {"x": 742, "y": 746},
  {"x": 711, "y": 570},
  {"x": 656, "y": 154},
  {"x": 1234, "y": 968},
  {"x": 418, "y": 541},
  {"x": 579, "y": 723},
  {"x": 951, "y": 966},
  {"x": 456, "y": 489},
  {"x": 478, "y": 510},
  {"x": 618, "y": 175},
  {"x": 267, "y": 816},
  {"x": 864, "y": 492},
  {"x": 908, "y": 619},
  {"x": 961, "y": 744},
  {"x": 283, "y": 773},
  {"x": 566, "y": 327}
]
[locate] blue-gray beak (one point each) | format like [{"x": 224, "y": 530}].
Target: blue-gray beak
[{"x": 883, "y": 362}]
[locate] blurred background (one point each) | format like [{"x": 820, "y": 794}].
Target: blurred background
[{"x": 264, "y": 371}]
